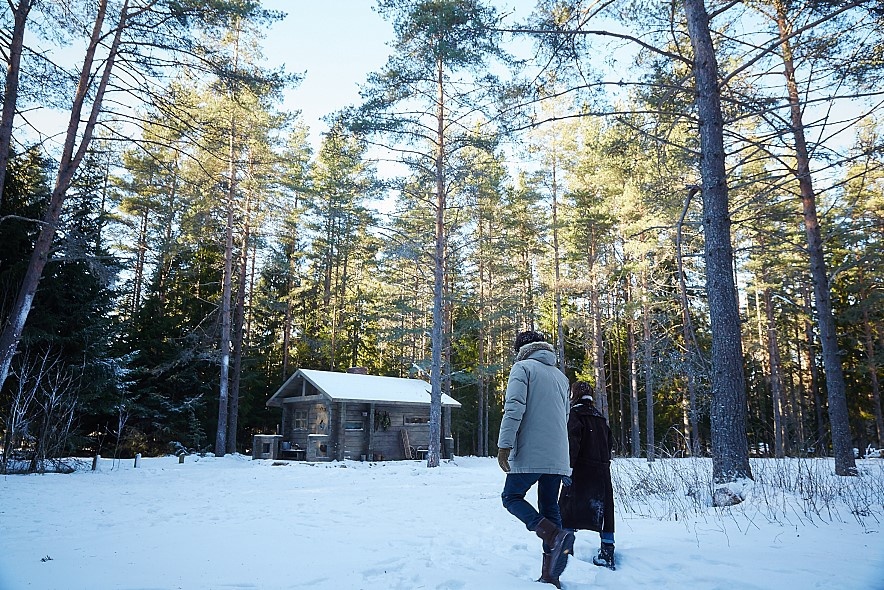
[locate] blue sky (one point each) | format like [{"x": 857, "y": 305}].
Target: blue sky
[{"x": 335, "y": 43}]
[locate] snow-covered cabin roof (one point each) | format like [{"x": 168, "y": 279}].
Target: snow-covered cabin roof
[{"x": 357, "y": 387}]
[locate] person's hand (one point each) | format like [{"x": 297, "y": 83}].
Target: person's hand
[
  {"x": 566, "y": 481},
  {"x": 503, "y": 459}
]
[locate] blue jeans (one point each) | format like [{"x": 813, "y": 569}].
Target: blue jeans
[{"x": 513, "y": 496}]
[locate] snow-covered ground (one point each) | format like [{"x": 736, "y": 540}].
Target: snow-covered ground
[{"x": 216, "y": 523}]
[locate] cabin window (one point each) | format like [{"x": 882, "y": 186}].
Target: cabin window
[
  {"x": 354, "y": 425},
  {"x": 417, "y": 420},
  {"x": 300, "y": 419}
]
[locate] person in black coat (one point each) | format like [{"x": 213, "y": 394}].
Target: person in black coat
[{"x": 588, "y": 503}]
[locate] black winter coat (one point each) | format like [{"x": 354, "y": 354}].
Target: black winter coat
[{"x": 588, "y": 503}]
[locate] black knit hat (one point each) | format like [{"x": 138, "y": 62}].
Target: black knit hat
[{"x": 527, "y": 337}]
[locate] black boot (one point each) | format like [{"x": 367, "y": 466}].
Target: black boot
[
  {"x": 560, "y": 543},
  {"x": 545, "y": 576},
  {"x": 605, "y": 557}
]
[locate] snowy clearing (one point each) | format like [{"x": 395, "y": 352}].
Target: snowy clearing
[{"x": 236, "y": 523}]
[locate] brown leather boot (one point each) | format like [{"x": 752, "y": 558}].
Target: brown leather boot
[
  {"x": 545, "y": 577},
  {"x": 560, "y": 543}
]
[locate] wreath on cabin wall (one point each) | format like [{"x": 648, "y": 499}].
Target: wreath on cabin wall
[{"x": 381, "y": 420}]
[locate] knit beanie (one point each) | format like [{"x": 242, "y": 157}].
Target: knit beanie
[{"x": 527, "y": 337}]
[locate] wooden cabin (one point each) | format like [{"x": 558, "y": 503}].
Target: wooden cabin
[{"x": 328, "y": 415}]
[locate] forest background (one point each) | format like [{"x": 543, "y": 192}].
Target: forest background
[{"x": 198, "y": 242}]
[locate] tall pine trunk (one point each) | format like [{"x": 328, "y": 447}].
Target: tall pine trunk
[
  {"x": 730, "y": 449},
  {"x": 239, "y": 317},
  {"x": 437, "y": 338},
  {"x": 227, "y": 279},
  {"x": 842, "y": 446},
  {"x": 226, "y": 292},
  {"x": 481, "y": 438}
]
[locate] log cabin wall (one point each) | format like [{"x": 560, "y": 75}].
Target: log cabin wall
[
  {"x": 389, "y": 420},
  {"x": 304, "y": 423},
  {"x": 350, "y": 430}
]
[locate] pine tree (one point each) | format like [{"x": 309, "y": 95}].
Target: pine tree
[{"x": 433, "y": 88}]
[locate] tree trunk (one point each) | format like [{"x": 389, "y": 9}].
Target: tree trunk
[
  {"x": 800, "y": 390},
  {"x": 813, "y": 370},
  {"x": 776, "y": 377},
  {"x": 166, "y": 258},
  {"x": 730, "y": 450},
  {"x": 10, "y": 97},
  {"x": 690, "y": 339},
  {"x": 448, "y": 328},
  {"x": 248, "y": 328},
  {"x": 239, "y": 317},
  {"x": 647, "y": 354},
  {"x": 633, "y": 383},
  {"x": 873, "y": 376},
  {"x": 601, "y": 379},
  {"x": 226, "y": 289},
  {"x": 227, "y": 280},
  {"x": 560, "y": 332},
  {"x": 620, "y": 391},
  {"x": 481, "y": 450},
  {"x": 438, "y": 280},
  {"x": 140, "y": 256},
  {"x": 68, "y": 165},
  {"x": 288, "y": 320},
  {"x": 845, "y": 464}
]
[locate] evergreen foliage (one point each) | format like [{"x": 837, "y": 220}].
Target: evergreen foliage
[{"x": 593, "y": 226}]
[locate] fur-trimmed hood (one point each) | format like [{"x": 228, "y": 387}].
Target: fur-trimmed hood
[{"x": 533, "y": 347}]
